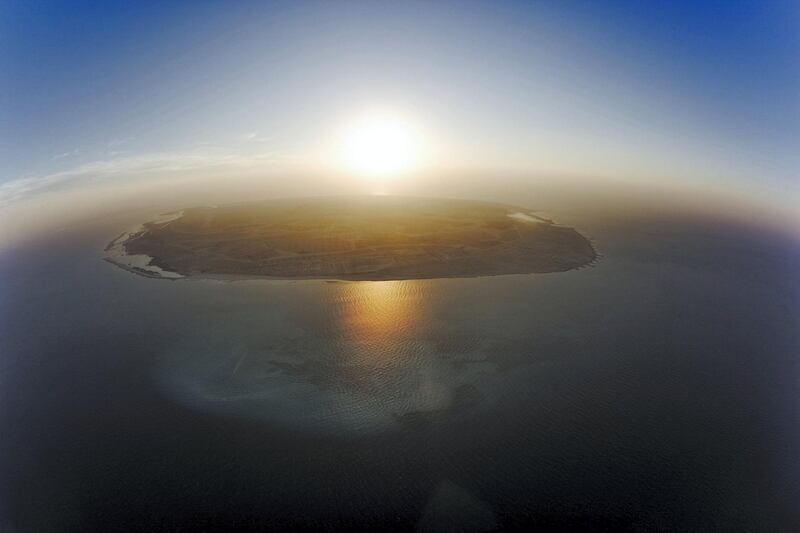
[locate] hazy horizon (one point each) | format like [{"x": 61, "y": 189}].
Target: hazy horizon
[
  {"x": 405, "y": 266},
  {"x": 677, "y": 96}
]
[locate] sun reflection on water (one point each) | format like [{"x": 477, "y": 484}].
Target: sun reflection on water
[
  {"x": 387, "y": 365},
  {"x": 381, "y": 324},
  {"x": 381, "y": 315}
]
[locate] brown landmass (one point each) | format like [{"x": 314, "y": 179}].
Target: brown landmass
[{"x": 364, "y": 238}]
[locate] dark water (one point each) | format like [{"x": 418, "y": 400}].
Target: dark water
[{"x": 659, "y": 389}]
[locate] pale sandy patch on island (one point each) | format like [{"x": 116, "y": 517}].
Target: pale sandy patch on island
[
  {"x": 116, "y": 253},
  {"x": 522, "y": 217},
  {"x": 350, "y": 238}
]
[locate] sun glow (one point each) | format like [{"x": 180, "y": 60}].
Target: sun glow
[{"x": 380, "y": 147}]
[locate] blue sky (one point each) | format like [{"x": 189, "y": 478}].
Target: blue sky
[{"x": 677, "y": 91}]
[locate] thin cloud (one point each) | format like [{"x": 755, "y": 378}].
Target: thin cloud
[
  {"x": 63, "y": 155},
  {"x": 254, "y": 136},
  {"x": 139, "y": 166},
  {"x": 119, "y": 142}
]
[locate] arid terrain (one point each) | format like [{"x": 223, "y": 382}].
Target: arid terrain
[{"x": 355, "y": 238}]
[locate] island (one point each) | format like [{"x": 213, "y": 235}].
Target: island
[{"x": 350, "y": 238}]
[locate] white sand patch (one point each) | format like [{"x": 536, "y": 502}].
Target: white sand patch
[
  {"x": 117, "y": 254},
  {"x": 522, "y": 217},
  {"x": 166, "y": 217}
]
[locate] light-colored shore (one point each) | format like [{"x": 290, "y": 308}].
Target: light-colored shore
[
  {"x": 116, "y": 253},
  {"x": 524, "y": 217},
  {"x": 349, "y": 240}
]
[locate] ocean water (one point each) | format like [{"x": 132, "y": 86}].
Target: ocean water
[{"x": 657, "y": 389}]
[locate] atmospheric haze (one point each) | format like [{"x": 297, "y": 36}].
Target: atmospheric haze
[{"x": 377, "y": 266}]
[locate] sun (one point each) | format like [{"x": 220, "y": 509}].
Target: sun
[{"x": 381, "y": 146}]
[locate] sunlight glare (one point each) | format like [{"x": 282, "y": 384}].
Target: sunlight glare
[{"x": 381, "y": 146}]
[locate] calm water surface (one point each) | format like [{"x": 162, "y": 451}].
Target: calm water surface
[{"x": 656, "y": 389}]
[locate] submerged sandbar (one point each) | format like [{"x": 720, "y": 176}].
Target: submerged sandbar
[{"x": 351, "y": 238}]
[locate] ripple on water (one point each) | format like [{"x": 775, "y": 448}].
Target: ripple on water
[{"x": 370, "y": 363}]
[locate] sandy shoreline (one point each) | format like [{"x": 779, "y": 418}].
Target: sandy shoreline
[
  {"x": 116, "y": 253},
  {"x": 515, "y": 259}
]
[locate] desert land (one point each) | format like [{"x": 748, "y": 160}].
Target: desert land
[{"x": 353, "y": 238}]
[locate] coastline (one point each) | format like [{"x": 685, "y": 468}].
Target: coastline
[
  {"x": 116, "y": 253},
  {"x": 232, "y": 278}
]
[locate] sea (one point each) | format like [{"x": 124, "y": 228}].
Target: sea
[{"x": 657, "y": 389}]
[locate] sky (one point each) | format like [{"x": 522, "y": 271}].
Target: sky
[{"x": 680, "y": 92}]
